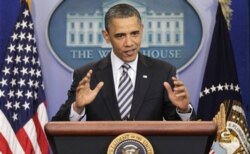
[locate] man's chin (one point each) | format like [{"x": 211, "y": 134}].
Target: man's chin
[{"x": 129, "y": 59}]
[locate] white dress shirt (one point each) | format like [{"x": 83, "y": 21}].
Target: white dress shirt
[{"x": 117, "y": 70}]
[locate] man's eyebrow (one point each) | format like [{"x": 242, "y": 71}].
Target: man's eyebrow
[
  {"x": 123, "y": 34},
  {"x": 136, "y": 31}
]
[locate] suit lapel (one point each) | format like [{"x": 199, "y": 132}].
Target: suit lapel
[
  {"x": 143, "y": 78},
  {"x": 105, "y": 74}
]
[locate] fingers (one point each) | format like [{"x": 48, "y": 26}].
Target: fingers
[
  {"x": 168, "y": 87},
  {"x": 87, "y": 78},
  {"x": 84, "y": 83},
  {"x": 179, "y": 88},
  {"x": 99, "y": 87}
]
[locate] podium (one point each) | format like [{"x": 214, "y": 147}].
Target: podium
[{"x": 166, "y": 137}]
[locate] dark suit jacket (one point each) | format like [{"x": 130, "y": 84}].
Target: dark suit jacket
[{"x": 150, "y": 100}]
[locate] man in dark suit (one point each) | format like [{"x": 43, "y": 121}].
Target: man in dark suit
[{"x": 156, "y": 93}]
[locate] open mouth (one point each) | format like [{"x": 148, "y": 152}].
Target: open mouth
[{"x": 130, "y": 52}]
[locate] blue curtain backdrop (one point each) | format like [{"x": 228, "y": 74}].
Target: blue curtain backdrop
[
  {"x": 8, "y": 14},
  {"x": 239, "y": 35},
  {"x": 240, "y": 40}
]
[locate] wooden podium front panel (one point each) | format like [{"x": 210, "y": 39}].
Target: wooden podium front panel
[
  {"x": 161, "y": 144},
  {"x": 166, "y": 137}
]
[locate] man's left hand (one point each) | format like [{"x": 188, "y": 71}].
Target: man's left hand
[{"x": 179, "y": 96}]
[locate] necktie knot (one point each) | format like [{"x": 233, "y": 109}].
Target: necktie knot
[{"x": 125, "y": 67}]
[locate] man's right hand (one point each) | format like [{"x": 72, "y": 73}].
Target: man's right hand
[{"x": 85, "y": 95}]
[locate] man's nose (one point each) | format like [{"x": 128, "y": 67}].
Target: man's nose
[{"x": 128, "y": 41}]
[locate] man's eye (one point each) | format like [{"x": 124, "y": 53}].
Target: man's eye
[
  {"x": 119, "y": 35},
  {"x": 135, "y": 33}
]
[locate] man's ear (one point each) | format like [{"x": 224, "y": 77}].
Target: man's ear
[
  {"x": 142, "y": 27},
  {"x": 106, "y": 36}
]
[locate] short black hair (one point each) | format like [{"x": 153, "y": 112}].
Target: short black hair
[{"x": 120, "y": 11}]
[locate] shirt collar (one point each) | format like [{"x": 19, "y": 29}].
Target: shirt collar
[{"x": 117, "y": 62}]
